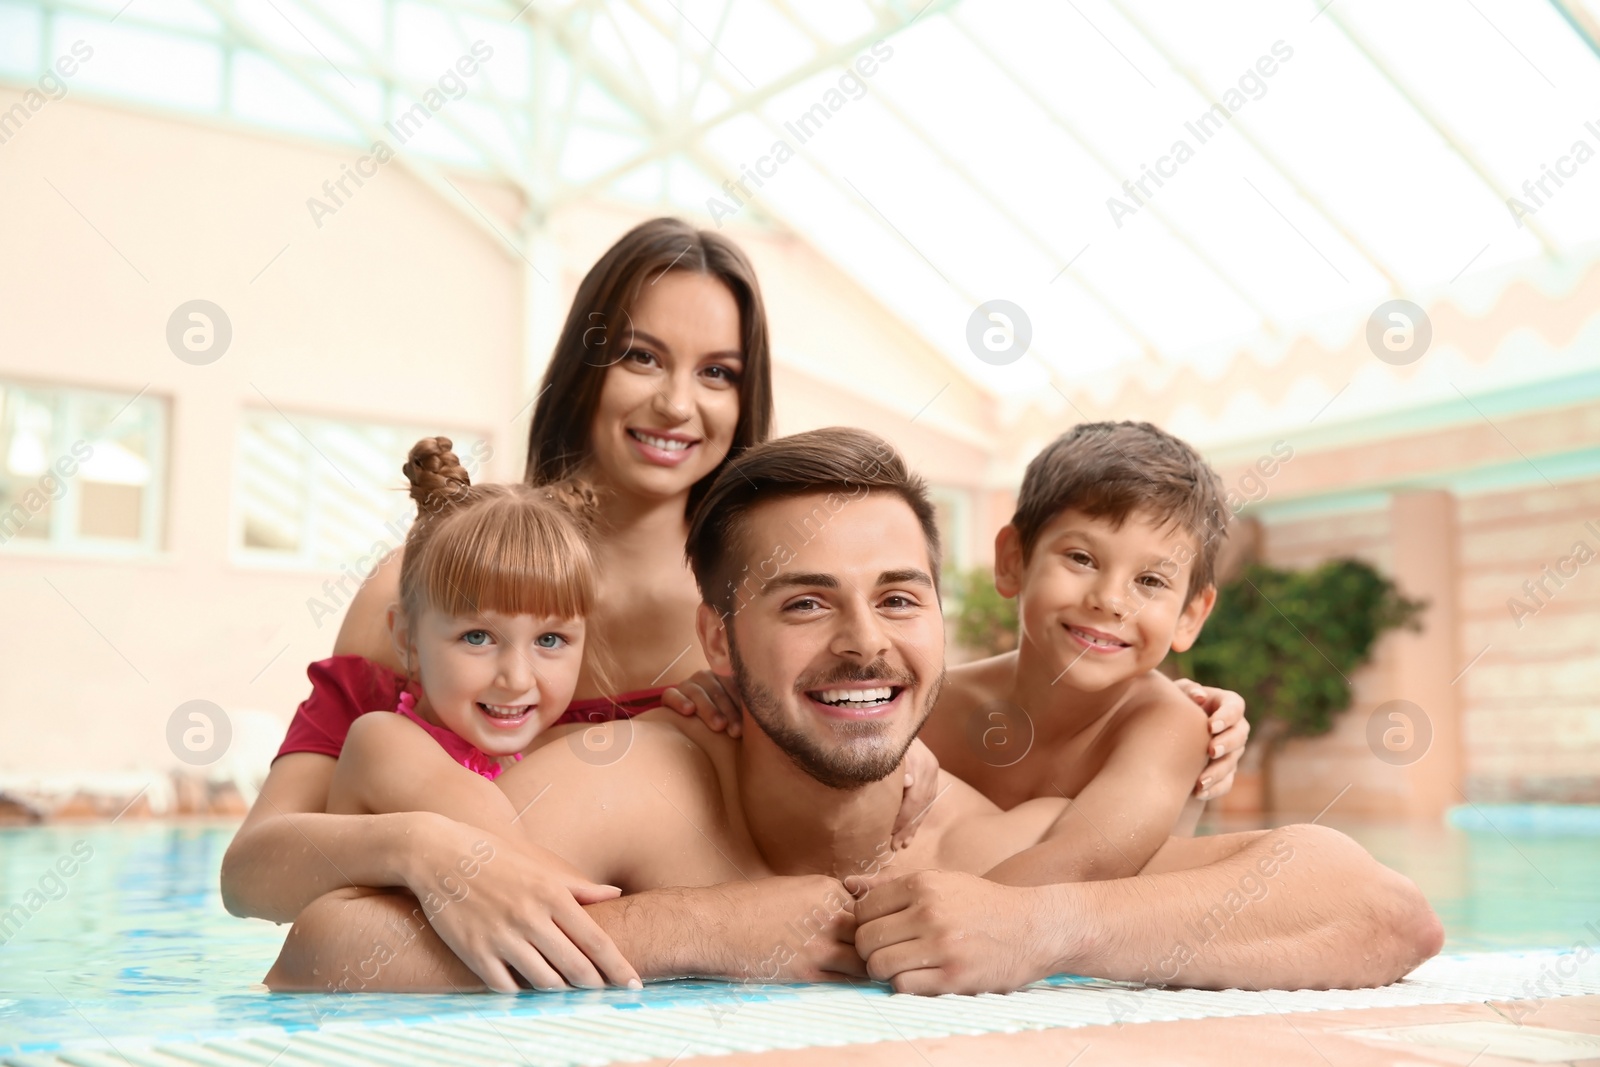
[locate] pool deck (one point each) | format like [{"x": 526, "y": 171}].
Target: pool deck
[{"x": 1468, "y": 1034}]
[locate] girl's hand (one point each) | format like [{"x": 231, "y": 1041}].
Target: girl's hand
[
  {"x": 1229, "y": 731},
  {"x": 505, "y": 908},
  {"x": 922, "y": 777},
  {"x": 706, "y": 694}
]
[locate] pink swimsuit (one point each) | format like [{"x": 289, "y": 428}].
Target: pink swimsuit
[{"x": 461, "y": 750}]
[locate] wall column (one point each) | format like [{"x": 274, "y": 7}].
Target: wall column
[{"x": 1424, "y": 542}]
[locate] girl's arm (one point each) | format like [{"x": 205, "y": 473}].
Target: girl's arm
[
  {"x": 288, "y": 852},
  {"x": 389, "y": 764}
]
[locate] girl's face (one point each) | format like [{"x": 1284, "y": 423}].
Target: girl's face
[
  {"x": 670, "y": 402},
  {"x": 495, "y": 680}
]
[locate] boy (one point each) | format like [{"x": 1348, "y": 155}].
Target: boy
[{"x": 1110, "y": 555}]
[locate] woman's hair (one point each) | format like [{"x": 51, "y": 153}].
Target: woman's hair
[
  {"x": 596, "y": 334},
  {"x": 513, "y": 549}
]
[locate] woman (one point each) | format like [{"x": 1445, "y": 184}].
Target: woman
[{"x": 661, "y": 371}]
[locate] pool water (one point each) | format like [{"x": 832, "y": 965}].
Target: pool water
[{"x": 119, "y": 931}]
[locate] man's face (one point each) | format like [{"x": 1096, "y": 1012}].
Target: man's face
[{"x": 838, "y": 650}]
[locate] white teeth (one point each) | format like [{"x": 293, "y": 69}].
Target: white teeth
[
  {"x": 1103, "y": 642},
  {"x": 856, "y": 697},
  {"x": 664, "y": 443},
  {"x": 505, "y": 711}
]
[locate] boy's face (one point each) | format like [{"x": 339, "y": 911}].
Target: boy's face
[{"x": 1101, "y": 603}]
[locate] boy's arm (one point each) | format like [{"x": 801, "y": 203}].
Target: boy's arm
[{"x": 1127, "y": 811}]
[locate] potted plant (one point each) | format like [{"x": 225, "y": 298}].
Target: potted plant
[{"x": 1287, "y": 640}]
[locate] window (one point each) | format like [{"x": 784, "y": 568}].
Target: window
[
  {"x": 319, "y": 493},
  {"x": 81, "y": 470}
]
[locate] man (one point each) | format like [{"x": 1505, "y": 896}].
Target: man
[{"x": 768, "y": 858}]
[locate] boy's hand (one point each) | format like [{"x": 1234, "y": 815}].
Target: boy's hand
[
  {"x": 922, "y": 776},
  {"x": 1229, "y": 732},
  {"x": 704, "y": 694}
]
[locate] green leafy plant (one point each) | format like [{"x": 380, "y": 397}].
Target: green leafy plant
[
  {"x": 1288, "y": 639},
  {"x": 986, "y": 622}
]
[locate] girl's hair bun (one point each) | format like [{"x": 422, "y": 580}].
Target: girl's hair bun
[{"x": 438, "y": 480}]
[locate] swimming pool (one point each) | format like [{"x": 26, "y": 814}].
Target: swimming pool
[{"x": 118, "y": 932}]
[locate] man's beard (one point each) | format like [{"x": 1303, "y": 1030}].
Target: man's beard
[{"x": 865, "y": 753}]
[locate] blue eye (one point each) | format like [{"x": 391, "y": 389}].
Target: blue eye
[
  {"x": 476, "y": 638},
  {"x": 549, "y": 640}
]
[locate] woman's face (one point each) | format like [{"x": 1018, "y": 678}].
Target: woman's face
[{"x": 670, "y": 402}]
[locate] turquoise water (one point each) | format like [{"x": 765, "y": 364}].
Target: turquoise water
[{"x": 134, "y": 941}]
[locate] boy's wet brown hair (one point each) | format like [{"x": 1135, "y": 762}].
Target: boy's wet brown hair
[
  {"x": 1111, "y": 470},
  {"x": 838, "y": 461}
]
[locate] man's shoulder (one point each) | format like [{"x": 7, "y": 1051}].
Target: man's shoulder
[{"x": 651, "y": 742}]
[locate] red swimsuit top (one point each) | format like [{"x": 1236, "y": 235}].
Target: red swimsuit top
[{"x": 343, "y": 688}]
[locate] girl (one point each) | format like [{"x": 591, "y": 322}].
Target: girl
[
  {"x": 494, "y": 588},
  {"x": 660, "y": 372}
]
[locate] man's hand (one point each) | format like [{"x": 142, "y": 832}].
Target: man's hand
[
  {"x": 921, "y": 782},
  {"x": 704, "y": 694},
  {"x": 1229, "y": 732},
  {"x": 790, "y": 929},
  {"x": 932, "y": 932},
  {"x": 503, "y": 908}
]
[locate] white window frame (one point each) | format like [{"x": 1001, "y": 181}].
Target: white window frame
[
  {"x": 66, "y": 429},
  {"x": 310, "y": 427}
]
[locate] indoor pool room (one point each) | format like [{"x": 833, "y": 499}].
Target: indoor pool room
[{"x": 894, "y": 532}]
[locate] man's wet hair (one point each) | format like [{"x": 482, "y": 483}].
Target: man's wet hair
[{"x": 838, "y": 462}]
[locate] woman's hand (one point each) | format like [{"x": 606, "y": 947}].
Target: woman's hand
[
  {"x": 1229, "y": 731},
  {"x": 505, "y": 908},
  {"x": 922, "y": 777},
  {"x": 706, "y": 694}
]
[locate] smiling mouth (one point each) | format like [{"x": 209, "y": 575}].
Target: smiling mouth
[
  {"x": 855, "y": 698},
  {"x": 665, "y": 444},
  {"x": 506, "y": 712},
  {"x": 1097, "y": 640}
]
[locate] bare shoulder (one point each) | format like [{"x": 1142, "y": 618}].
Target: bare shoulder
[
  {"x": 381, "y": 731},
  {"x": 1156, "y": 709},
  {"x": 618, "y": 761},
  {"x": 633, "y": 802}
]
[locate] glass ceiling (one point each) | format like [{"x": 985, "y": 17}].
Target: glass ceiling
[{"x": 1155, "y": 183}]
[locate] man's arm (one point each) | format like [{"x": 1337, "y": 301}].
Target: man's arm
[
  {"x": 796, "y": 929},
  {"x": 1292, "y": 908}
]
